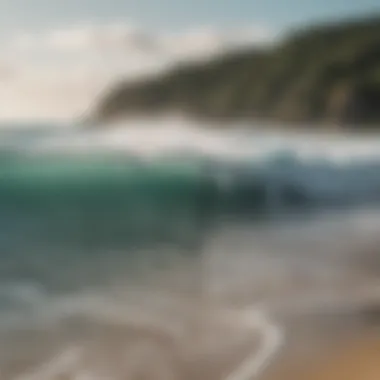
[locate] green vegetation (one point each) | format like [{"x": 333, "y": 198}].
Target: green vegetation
[{"x": 327, "y": 73}]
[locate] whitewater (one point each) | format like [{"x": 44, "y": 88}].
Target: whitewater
[{"x": 142, "y": 242}]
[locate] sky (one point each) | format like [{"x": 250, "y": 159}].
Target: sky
[
  {"x": 177, "y": 14},
  {"x": 58, "y": 56}
]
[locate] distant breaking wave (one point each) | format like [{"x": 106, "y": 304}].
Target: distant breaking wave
[
  {"x": 126, "y": 191},
  {"x": 70, "y": 193},
  {"x": 108, "y": 231}
]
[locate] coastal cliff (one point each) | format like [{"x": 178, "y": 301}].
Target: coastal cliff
[{"x": 327, "y": 73}]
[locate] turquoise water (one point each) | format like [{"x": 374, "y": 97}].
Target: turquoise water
[
  {"x": 92, "y": 239},
  {"x": 82, "y": 219},
  {"x": 91, "y": 212},
  {"x": 111, "y": 201}
]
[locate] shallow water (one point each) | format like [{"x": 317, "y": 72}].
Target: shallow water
[{"x": 113, "y": 257}]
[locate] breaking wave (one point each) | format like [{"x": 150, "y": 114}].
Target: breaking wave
[{"x": 109, "y": 238}]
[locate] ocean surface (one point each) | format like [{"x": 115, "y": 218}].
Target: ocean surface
[{"x": 117, "y": 235}]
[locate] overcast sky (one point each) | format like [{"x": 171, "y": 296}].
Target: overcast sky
[{"x": 56, "y": 56}]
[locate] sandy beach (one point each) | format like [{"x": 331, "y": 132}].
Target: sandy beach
[{"x": 352, "y": 358}]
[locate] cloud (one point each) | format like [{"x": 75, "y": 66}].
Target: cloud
[
  {"x": 87, "y": 38},
  {"x": 60, "y": 72},
  {"x": 100, "y": 38},
  {"x": 127, "y": 38}
]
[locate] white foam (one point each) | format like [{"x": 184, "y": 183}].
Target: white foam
[
  {"x": 55, "y": 367},
  {"x": 178, "y": 134}
]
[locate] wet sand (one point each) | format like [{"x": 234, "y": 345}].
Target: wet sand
[
  {"x": 352, "y": 358},
  {"x": 336, "y": 344},
  {"x": 205, "y": 349},
  {"x": 190, "y": 340}
]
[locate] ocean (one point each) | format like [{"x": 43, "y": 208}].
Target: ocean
[{"x": 118, "y": 241}]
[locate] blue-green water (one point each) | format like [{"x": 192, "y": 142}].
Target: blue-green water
[
  {"x": 88, "y": 238},
  {"x": 86, "y": 211},
  {"x": 96, "y": 209}
]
